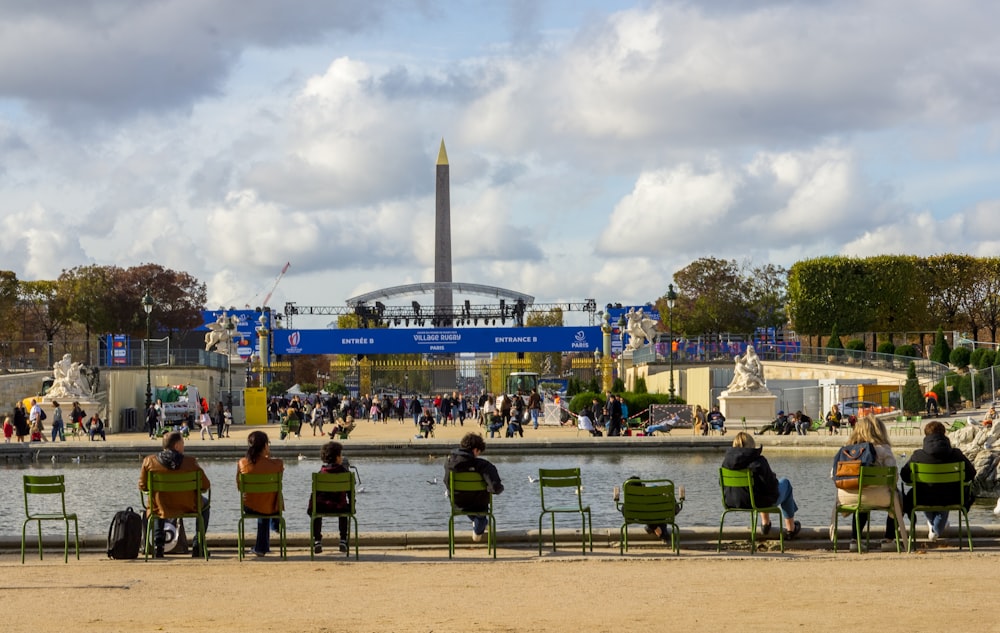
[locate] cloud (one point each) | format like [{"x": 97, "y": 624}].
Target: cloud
[{"x": 108, "y": 58}]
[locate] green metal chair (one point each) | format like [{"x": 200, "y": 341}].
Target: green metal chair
[
  {"x": 729, "y": 478},
  {"x": 869, "y": 477},
  {"x": 333, "y": 483},
  {"x": 564, "y": 478},
  {"x": 956, "y": 425},
  {"x": 47, "y": 485},
  {"x": 952, "y": 475},
  {"x": 470, "y": 482},
  {"x": 649, "y": 502},
  {"x": 261, "y": 483},
  {"x": 175, "y": 482},
  {"x": 916, "y": 425}
]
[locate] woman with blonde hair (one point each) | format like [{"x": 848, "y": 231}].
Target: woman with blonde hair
[{"x": 871, "y": 429}]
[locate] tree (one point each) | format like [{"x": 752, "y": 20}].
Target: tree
[
  {"x": 913, "y": 399},
  {"x": 8, "y": 302},
  {"x": 834, "y": 343},
  {"x": 941, "y": 352},
  {"x": 42, "y": 303},
  {"x": 87, "y": 291},
  {"x": 710, "y": 299}
]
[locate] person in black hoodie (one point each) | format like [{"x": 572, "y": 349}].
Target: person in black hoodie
[
  {"x": 465, "y": 459},
  {"x": 937, "y": 450},
  {"x": 768, "y": 490}
]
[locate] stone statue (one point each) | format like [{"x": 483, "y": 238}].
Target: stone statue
[
  {"x": 640, "y": 328},
  {"x": 220, "y": 334},
  {"x": 70, "y": 380},
  {"x": 749, "y": 373}
]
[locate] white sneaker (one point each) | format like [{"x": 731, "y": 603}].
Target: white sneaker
[
  {"x": 477, "y": 537},
  {"x": 931, "y": 534}
]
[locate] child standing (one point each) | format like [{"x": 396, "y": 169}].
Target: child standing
[
  {"x": 333, "y": 462},
  {"x": 8, "y": 429}
]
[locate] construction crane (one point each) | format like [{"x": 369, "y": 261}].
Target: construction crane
[{"x": 277, "y": 280}]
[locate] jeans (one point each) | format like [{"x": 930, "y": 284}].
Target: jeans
[
  {"x": 479, "y": 524},
  {"x": 534, "y": 418},
  {"x": 785, "y": 499},
  {"x": 57, "y": 431},
  {"x": 937, "y": 520},
  {"x": 802, "y": 428},
  {"x": 663, "y": 427},
  {"x": 264, "y": 526}
]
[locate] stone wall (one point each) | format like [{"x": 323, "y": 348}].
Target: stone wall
[{"x": 14, "y": 387}]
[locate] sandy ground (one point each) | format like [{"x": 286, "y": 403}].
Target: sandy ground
[{"x": 422, "y": 591}]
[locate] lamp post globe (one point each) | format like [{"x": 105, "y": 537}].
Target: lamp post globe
[
  {"x": 671, "y": 299},
  {"x": 147, "y": 307}
]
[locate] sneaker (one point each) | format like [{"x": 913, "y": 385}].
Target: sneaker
[
  {"x": 855, "y": 544},
  {"x": 158, "y": 552},
  {"x": 318, "y": 547},
  {"x": 477, "y": 537},
  {"x": 258, "y": 554},
  {"x": 343, "y": 546},
  {"x": 833, "y": 532},
  {"x": 931, "y": 534}
]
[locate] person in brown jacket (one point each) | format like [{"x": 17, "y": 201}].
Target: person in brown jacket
[
  {"x": 169, "y": 504},
  {"x": 258, "y": 460}
]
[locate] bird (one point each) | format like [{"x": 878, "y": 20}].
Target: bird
[
  {"x": 53, "y": 459},
  {"x": 301, "y": 456},
  {"x": 433, "y": 482},
  {"x": 359, "y": 489},
  {"x": 75, "y": 460},
  {"x": 532, "y": 479}
]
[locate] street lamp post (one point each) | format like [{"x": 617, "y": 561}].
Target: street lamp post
[
  {"x": 671, "y": 298},
  {"x": 230, "y": 326},
  {"x": 406, "y": 383},
  {"x": 147, "y": 307}
]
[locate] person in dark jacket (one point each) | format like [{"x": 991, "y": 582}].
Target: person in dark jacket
[
  {"x": 466, "y": 459},
  {"x": 333, "y": 462},
  {"x": 768, "y": 490},
  {"x": 937, "y": 450}
]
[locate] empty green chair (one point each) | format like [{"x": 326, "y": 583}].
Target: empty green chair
[
  {"x": 177, "y": 482},
  {"x": 260, "y": 483},
  {"x": 869, "y": 477},
  {"x": 729, "y": 478},
  {"x": 470, "y": 482},
  {"x": 48, "y": 509},
  {"x": 333, "y": 483},
  {"x": 952, "y": 475},
  {"x": 649, "y": 502},
  {"x": 564, "y": 478}
]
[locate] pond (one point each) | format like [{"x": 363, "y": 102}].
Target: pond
[{"x": 403, "y": 495}]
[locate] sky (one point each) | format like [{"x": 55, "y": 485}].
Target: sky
[{"x": 596, "y": 147}]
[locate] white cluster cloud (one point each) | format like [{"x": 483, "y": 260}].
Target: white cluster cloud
[{"x": 592, "y": 155}]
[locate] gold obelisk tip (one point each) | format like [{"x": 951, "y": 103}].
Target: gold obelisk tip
[{"x": 442, "y": 155}]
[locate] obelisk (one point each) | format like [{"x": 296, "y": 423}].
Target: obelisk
[{"x": 442, "y": 239}]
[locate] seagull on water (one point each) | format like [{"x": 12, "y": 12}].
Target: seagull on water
[
  {"x": 532, "y": 479},
  {"x": 433, "y": 482}
]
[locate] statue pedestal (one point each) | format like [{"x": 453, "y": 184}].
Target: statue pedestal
[{"x": 759, "y": 405}]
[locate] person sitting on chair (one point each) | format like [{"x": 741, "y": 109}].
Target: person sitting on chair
[
  {"x": 834, "y": 419},
  {"x": 426, "y": 423},
  {"x": 661, "y": 530},
  {"x": 768, "y": 490},
  {"x": 331, "y": 502},
  {"x": 937, "y": 450},
  {"x": 585, "y": 423},
  {"x": 167, "y": 504},
  {"x": 776, "y": 426},
  {"x": 258, "y": 460},
  {"x": 717, "y": 421},
  {"x": 803, "y": 423},
  {"x": 664, "y": 427},
  {"x": 343, "y": 427},
  {"x": 97, "y": 427},
  {"x": 466, "y": 458}
]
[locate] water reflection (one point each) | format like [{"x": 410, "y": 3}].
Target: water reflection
[{"x": 407, "y": 495}]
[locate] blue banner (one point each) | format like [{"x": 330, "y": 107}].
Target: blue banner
[{"x": 438, "y": 340}]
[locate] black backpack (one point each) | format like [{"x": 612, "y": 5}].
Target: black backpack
[{"x": 125, "y": 535}]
